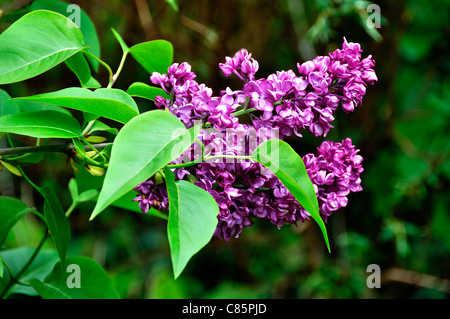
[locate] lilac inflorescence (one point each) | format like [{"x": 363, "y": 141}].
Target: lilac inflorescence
[{"x": 282, "y": 104}]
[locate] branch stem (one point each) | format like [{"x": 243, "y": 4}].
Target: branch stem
[{"x": 56, "y": 148}]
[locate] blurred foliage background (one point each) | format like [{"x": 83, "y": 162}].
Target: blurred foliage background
[{"x": 400, "y": 221}]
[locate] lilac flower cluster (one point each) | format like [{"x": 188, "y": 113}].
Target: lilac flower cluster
[
  {"x": 335, "y": 171},
  {"x": 280, "y": 105}
]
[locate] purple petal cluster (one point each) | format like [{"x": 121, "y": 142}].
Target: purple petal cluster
[
  {"x": 282, "y": 104},
  {"x": 335, "y": 171},
  {"x": 309, "y": 100},
  {"x": 152, "y": 194}
]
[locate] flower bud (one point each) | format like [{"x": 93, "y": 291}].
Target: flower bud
[{"x": 95, "y": 171}]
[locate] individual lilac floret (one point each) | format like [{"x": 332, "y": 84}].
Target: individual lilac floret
[{"x": 242, "y": 64}]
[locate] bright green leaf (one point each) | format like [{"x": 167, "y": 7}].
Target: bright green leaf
[
  {"x": 87, "y": 27},
  {"x": 42, "y": 124},
  {"x": 78, "y": 65},
  {"x": 154, "y": 56},
  {"x": 288, "y": 167},
  {"x": 88, "y": 195},
  {"x": 192, "y": 220},
  {"x": 119, "y": 39},
  {"x": 73, "y": 189},
  {"x": 33, "y": 106},
  {"x": 143, "y": 146},
  {"x": 14, "y": 170},
  {"x": 92, "y": 279},
  {"x": 36, "y": 43},
  {"x": 142, "y": 90},
  {"x": 102, "y": 127},
  {"x": 114, "y": 104},
  {"x": 7, "y": 106}
]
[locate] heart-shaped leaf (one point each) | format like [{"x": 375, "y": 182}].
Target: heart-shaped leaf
[
  {"x": 154, "y": 56},
  {"x": 42, "y": 124},
  {"x": 143, "y": 146},
  {"x": 192, "y": 220},
  {"x": 114, "y": 104},
  {"x": 288, "y": 166},
  {"x": 76, "y": 14},
  {"x": 36, "y": 43}
]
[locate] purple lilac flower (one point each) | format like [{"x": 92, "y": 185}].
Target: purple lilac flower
[
  {"x": 284, "y": 103},
  {"x": 336, "y": 172}
]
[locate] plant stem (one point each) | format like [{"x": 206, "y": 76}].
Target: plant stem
[
  {"x": 110, "y": 73},
  {"x": 71, "y": 208},
  {"x": 88, "y": 127},
  {"x": 119, "y": 69},
  {"x": 184, "y": 164},
  {"x": 227, "y": 156},
  {"x": 94, "y": 149},
  {"x": 14, "y": 279},
  {"x": 243, "y": 111},
  {"x": 59, "y": 148},
  {"x": 28, "y": 179}
]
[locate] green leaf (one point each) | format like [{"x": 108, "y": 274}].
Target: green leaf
[
  {"x": 42, "y": 124},
  {"x": 288, "y": 167},
  {"x": 73, "y": 189},
  {"x": 14, "y": 170},
  {"x": 17, "y": 258},
  {"x": 86, "y": 26},
  {"x": 77, "y": 64},
  {"x": 143, "y": 146},
  {"x": 92, "y": 83},
  {"x": 102, "y": 127},
  {"x": 94, "y": 282},
  {"x": 78, "y": 146},
  {"x": 153, "y": 56},
  {"x": 142, "y": 90},
  {"x": 36, "y": 43},
  {"x": 192, "y": 220},
  {"x": 11, "y": 211},
  {"x": 32, "y": 106},
  {"x": 114, "y": 104},
  {"x": 173, "y": 4},
  {"x": 7, "y": 106},
  {"x": 57, "y": 222},
  {"x": 88, "y": 195},
  {"x": 119, "y": 39}
]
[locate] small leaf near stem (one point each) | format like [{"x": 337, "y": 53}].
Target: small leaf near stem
[{"x": 14, "y": 279}]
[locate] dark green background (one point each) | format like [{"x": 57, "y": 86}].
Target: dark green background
[{"x": 399, "y": 221}]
